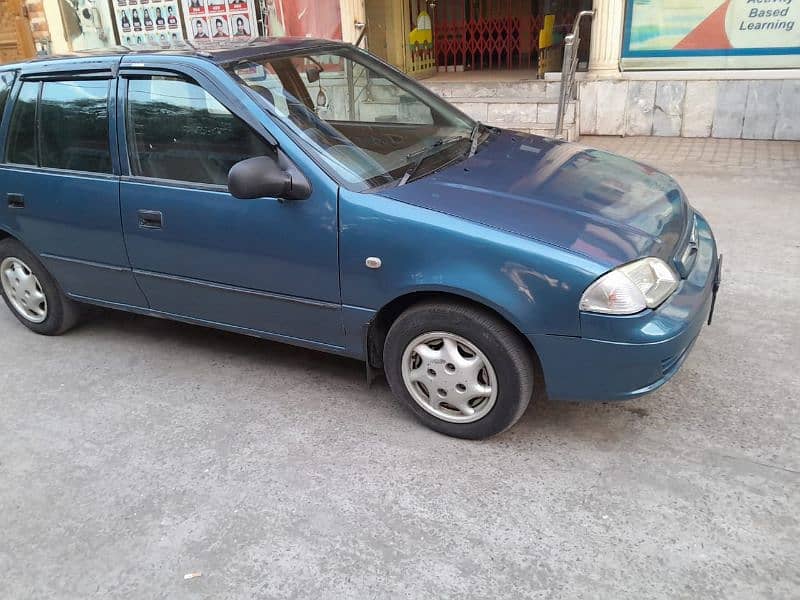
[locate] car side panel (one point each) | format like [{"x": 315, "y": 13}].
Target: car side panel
[
  {"x": 534, "y": 286},
  {"x": 72, "y": 222}
]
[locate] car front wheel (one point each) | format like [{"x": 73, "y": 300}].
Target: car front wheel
[{"x": 462, "y": 371}]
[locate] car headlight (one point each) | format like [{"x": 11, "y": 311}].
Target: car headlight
[{"x": 631, "y": 288}]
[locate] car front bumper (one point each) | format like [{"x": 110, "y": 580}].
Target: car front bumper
[{"x": 622, "y": 357}]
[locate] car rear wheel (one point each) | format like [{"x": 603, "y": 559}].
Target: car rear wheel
[
  {"x": 462, "y": 371},
  {"x": 32, "y": 294}
]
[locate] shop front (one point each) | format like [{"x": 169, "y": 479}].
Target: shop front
[
  {"x": 503, "y": 34},
  {"x": 424, "y": 37}
]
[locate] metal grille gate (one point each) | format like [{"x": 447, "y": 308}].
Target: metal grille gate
[
  {"x": 489, "y": 34},
  {"x": 485, "y": 34}
]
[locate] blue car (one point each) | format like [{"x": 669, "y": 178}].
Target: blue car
[{"x": 303, "y": 191}]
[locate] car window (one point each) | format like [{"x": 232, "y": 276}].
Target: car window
[
  {"x": 22, "y": 135},
  {"x": 178, "y": 131},
  {"x": 74, "y": 126},
  {"x": 344, "y": 90},
  {"x": 6, "y": 82},
  {"x": 366, "y": 123}
]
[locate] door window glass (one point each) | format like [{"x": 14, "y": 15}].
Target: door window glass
[
  {"x": 178, "y": 131},
  {"x": 74, "y": 125},
  {"x": 22, "y": 135}
]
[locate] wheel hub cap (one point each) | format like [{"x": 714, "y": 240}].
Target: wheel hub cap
[
  {"x": 23, "y": 290},
  {"x": 449, "y": 377}
]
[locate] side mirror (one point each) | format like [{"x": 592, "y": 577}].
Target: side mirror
[{"x": 263, "y": 176}]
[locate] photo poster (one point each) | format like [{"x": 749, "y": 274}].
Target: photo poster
[
  {"x": 727, "y": 33},
  {"x": 149, "y": 23},
  {"x": 212, "y": 22}
]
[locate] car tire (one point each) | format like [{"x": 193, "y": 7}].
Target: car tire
[
  {"x": 56, "y": 314},
  {"x": 438, "y": 355}
]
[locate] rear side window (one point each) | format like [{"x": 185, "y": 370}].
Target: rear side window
[
  {"x": 178, "y": 131},
  {"x": 74, "y": 126},
  {"x": 22, "y": 134}
]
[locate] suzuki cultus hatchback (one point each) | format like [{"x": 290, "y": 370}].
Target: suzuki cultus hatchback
[{"x": 301, "y": 190}]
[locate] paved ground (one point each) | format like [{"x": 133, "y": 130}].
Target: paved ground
[{"x": 134, "y": 451}]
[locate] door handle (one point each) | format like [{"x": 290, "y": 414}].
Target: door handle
[
  {"x": 16, "y": 200},
  {"x": 150, "y": 219}
]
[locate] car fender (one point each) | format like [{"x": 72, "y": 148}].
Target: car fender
[{"x": 534, "y": 286}]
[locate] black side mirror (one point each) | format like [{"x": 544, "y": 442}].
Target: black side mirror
[{"x": 263, "y": 176}]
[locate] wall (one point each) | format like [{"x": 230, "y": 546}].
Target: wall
[
  {"x": 16, "y": 40},
  {"x": 724, "y": 108}
]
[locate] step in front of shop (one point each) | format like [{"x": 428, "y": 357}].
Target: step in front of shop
[
  {"x": 528, "y": 106},
  {"x": 535, "y": 90}
]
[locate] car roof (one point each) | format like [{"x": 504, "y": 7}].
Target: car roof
[{"x": 258, "y": 47}]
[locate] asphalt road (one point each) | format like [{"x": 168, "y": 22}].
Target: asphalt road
[{"x": 134, "y": 451}]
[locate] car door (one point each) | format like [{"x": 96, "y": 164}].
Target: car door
[
  {"x": 264, "y": 266},
  {"x": 60, "y": 178}
]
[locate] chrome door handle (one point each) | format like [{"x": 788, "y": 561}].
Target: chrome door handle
[
  {"x": 15, "y": 200},
  {"x": 150, "y": 219}
]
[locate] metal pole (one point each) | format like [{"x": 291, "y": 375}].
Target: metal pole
[{"x": 568, "y": 66}]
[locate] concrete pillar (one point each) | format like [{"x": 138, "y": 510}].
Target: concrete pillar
[
  {"x": 352, "y": 12},
  {"x": 606, "y": 41}
]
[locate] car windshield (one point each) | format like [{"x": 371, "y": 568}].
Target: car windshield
[{"x": 367, "y": 124}]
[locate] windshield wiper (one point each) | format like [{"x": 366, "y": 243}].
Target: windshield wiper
[
  {"x": 474, "y": 136},
  {"x": 420, "y": 156}
]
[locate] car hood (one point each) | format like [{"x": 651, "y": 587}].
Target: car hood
[{"x": 609, "y": 208}]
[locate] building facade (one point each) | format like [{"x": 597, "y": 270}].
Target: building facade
[{"x": 695, "y": 68}]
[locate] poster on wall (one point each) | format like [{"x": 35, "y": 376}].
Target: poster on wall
[
  {"x": 711, "y": 34},
  {"x": 148, "y": 23},
  {"x": 218, "y": 22}
]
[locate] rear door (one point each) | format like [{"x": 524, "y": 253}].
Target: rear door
[
  {"x": 60, "y": 182},
  {"x": 262, "y": 266}
]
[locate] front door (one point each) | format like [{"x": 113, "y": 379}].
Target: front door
[{"x": 260, "y": 266}]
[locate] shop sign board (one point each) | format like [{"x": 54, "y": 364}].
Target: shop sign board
[{"x": 711, "y": 34}]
